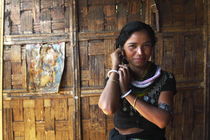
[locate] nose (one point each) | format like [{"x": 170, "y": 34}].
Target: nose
[{"x": 139, "y": 50}]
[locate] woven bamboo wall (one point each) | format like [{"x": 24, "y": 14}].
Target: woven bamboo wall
[{"x": 181, "y": 50}]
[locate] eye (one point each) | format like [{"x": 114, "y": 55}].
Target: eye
[{"x": 132, "y": 46}]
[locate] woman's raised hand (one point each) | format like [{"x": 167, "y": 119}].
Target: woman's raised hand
[
  {"x": 115, "y": 57},
  {"x": 124, "y": 78}
]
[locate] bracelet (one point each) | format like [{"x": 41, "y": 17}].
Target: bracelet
[
  {"x": 126, "y": 94},
  {"x": 134, "y": 103},
  {"x": 108, "y": 74}
]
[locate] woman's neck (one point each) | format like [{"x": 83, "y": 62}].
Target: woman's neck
[{"x": 140, "y": 72}]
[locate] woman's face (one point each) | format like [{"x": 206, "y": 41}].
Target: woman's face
[{"x": 138, "y": 49}]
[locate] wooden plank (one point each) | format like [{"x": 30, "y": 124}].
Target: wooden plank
[
  {"x": 35, "y": 38},
  {"x": 2, "y": 132},
  {"x": 76, "y": 69},
  {"x": 97, "y": 35}
]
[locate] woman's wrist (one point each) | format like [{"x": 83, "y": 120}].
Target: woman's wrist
[
  {"x": 115, "y": 67},
  {"x": 126, "y": 93}
]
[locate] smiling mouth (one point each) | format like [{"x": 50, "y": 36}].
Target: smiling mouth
[{"x": 138, "y": 59}]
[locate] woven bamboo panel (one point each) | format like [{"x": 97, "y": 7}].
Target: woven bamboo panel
[
  {"x": 185, "y": 15},
  {"x": 95, "y": 125},
  {"x": 180, "y": 50},
  {"x": 44, "y": 118},
  {"x": 188, "y": 122},
  {"x": 36, "y": 16},
  {"x": 182, "y": 54},
  {"x": 108, "y": 15}
]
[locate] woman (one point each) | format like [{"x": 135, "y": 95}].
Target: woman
[{"x": 137, "y": 92}]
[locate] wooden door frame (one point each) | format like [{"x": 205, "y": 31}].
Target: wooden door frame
[{"x": 1, "y": 65}]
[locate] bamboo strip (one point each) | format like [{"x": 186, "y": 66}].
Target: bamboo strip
[
  {"x": 75, "y": 63},
  {"x": 97, "y": 35},
  {"x": 35, "y": 38},
  {"x": 1, "y": 65}
]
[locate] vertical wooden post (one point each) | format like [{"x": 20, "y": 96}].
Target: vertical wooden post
[
  {"x": 75, "y": 63},
  {"x": 1, "y": 65},
  {"x": 206, "y": 68}
]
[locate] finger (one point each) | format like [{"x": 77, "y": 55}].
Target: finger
[
  {"x": 125, "y": 74},
  {"x": 122, "y": 71},
  {"x": 120, "y": 77},
  {"x": 125, "y": 69}
]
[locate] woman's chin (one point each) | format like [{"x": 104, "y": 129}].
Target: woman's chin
[{"x": 139, "y": 65}]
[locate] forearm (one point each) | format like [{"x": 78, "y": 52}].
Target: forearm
[
  {"x": 154, "y": 114},
  {"x": 109, "y": 99}
]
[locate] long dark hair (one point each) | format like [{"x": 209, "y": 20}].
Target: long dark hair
[{"x": 132, "y": 27}]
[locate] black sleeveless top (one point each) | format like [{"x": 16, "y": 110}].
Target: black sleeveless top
[{"x": 128, "y": 117}]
